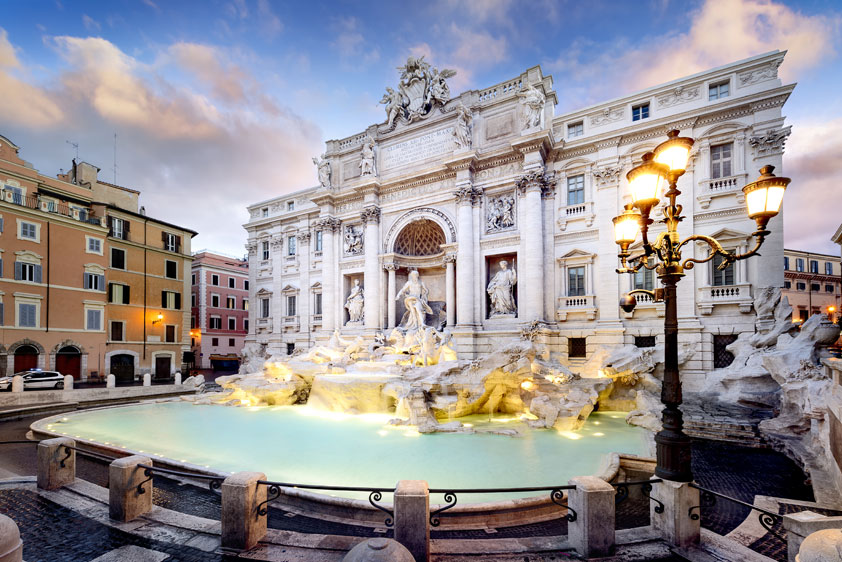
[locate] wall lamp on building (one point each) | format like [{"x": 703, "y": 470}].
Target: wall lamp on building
[
  {"x": 158, "y": 319},
  {"x": 659, "y": 168}
]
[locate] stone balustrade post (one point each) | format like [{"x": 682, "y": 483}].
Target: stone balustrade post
[
  {"x": 17, "y": 383},
  {"x": 800, "y": 525},
  {"x": 412, "y": 517},
  {"x": 242, "y": 526},
  {"x": 125, "y": 503},
  {"x": 147, "y": 379},
  {"x": 11, "y": 546},
  {"x": 68, "y": 382},
  {"x": 52, "y": 453},
  {"x": 178, "y": 377},
  {"x": 675, "y": 524},
  {"x": 110, "y": 381},
  {"x": 592, "y": 533}
]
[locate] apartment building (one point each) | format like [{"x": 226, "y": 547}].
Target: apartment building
[
  {"x": 812, "y": 283},
  {"x": 219, "y": 304}
]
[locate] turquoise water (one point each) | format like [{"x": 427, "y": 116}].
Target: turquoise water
[{"x": 301, "y": 445}]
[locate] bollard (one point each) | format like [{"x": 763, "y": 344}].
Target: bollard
[
  {"x": 802, "y": 524},
  {"x": 592, "y": 533},
  {"x": 52, "y": 454},
  {"x": 17, "y": 383},
  {"x": 147, "y": 380},
  {"x": 68, "y": 382},
  {"x": 110, "y": 381},
  {"x": 178, "y": 377},
  {"x": 675, "y": 524},
  {"x": 124, "y": 500},
  {"x": 412, "y": 518},
  {"x": 11, "y": 547},
  {"x": 242, "y": 526}
]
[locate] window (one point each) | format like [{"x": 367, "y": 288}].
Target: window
[
  {"x": 644, "y": 341},
  {"x": 814, "y": 266},
  {"x": 93, "y": 281},
  {"x": 170, "y": 269},
  {"x": 291, "y": 305},
  {"x": 718, "y": 91},
  {"x": 577, "y": 347},
  {"x": 118, "y": 258},
  {"x": 17, "y": 193},
  {"x": 169, "y": 333},
  {"x": 722, "y": 277},
  {"x": 290, "y": 205},
  {"x": 231, "y": 303},
  {"x": 720, "y": 160},
  {"x": 27, "y": 272},
  {"x": 118, "y": 294},
  {"x": 265, "y": 246},
  {"x": 27, "y": 315},
  {"x": 318, "y": 246},
  {"x": 291, "y": 246},
  {"x": 786, "y": 263},
  {"x": 640, "y": 112},
  {"x": 814, "y": 287},
  {"x": 192, "y": 278},
  {"x": 828, "y": 268},
  {"x": 214, "y": 342},
  {"x": 192, "y": 299},
  {"x": 116, "y": 331},
  {"x": 215, "y": 280},
  {"x": 802, "y": 314},
  {"x": 94, "y": 245},
  {"x": 232, "y": 323},
  {"x": 93, "y": 319},
  {"x": 264, "y": 212},
  {"x": 231, "y": 342},
  {"x": 232, "y": 283},
  {"x": 575, "y": 281},
  {"x": 317, "y": 303},
  {"x": 28, "y": 231},
  {"x": 787, "y": 285},
  {"x": 721, "y": 356},
  {"x": 215, "y": 323},
  {"x": 119, "y": 228},
  {"x": 246, "y": 324},
  {"x": 576, "y": 189},
  {"x": 290, "y": 348},
  {"x": 171, "y": 300},
  {"x": 192, "y": 322},
  {"x": 801, "y": 286},
  {"x": 644, "y": 279},
  {"x": 264, "y": 308},
  {"x": 215, "y": 301},
  {"x": 828, "y": 288},
  {"x": 799, "y": 264},
  {"x": 245, "y": 304},
  {"x": 172, "y": 243},
  {"x": 575, "y": 129}
]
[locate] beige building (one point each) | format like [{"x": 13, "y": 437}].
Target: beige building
[{"x": 812, "y": 283}]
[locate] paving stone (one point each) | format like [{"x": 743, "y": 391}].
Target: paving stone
[{"x": 132, "y": 553}]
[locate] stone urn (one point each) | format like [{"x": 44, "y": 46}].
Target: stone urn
[
  {"x": 379, "y": 550},
  {"x": 821, "y": 546},
  {"x": 11, "y": 547},
  {"x": 826, "y": 332}
]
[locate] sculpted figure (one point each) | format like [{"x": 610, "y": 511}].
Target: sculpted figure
[
  {"x": 439, "y": 90},
  {"x": 323, "y": 167},
  {"x": 462, "y": 129},
  {"x": 367, "y": 161},
  {"x": 500, "y": 290},
  {"x": 533, "y": 105},
  {"x": 353, "y": 240},
  {"x": 354, "y": 303},
  {"x": 414, "y": 294},
  {"x": 394, "y": 105}
]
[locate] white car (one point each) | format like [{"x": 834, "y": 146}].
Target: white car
[{"x": 35, "y": 379}]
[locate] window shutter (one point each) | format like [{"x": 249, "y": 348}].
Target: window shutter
[
  {"x": 178, "y": 301},
  {"x": 164, "y": 237},
  {"x": 1, "y": 224},
  {"x": 110, "y": 225},
  {"x": 178, "y": 244},
  {"x": 1, "y": 271},
  {"x": 18, "y": 273},
  {"x": 126, "y": 229},
  {"x": 126, "y": 294},
  {"x": 29, "y": 315},
  {"x": 111, "y": 292},
  {"x": 37, "y": 273},
  {"x": 85, "y": 281},
  {"x": 101, "y": 284},
  {"x": 2, "y": 319}
]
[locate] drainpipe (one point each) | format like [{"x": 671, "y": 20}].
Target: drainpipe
[
  {"x": 144, "y": 288},
  {"x": 49, "y": 263}
]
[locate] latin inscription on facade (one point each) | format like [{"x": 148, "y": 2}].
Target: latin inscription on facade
[{"x": 417, "y": 149}]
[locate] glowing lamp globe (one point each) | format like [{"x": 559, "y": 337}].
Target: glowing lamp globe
[
  {"x": 765, "y": 194},
  {"x": 646, "y": 181},
  {"x": 674, "y": 152},
  {"x": 626, "y": 227}
]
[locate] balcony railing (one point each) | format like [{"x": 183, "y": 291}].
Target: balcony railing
[
  {"x": 579, "y": 211},
  {"x": 36, "y": 202},
  {"x": 263, "y": 324},
  {"x": 725, "y": 294},
  {"x": 581, "y": 303},
  {"x": 716, "y": 187}
]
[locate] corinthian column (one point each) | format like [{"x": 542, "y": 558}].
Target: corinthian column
[
  {"x": 531, "y": 274},
  {"x": 390, "y": 295},
  {"x": 450, "y": 289},
  {"x": 371, "y": 218},
  {"x": 329, "y": 227},
  {"x": 304, "y": 306},
  {"x": 465, "y": 256}
]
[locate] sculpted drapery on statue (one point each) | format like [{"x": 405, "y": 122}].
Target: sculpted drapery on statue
[
  {"x": 533, "y": 106},
  {"x": 367, "y": 159},
  {"x": 500, "y": 289},
  {"x": 419, "y": 90},
  {"x": 323, "y": 167},
  {"x": 462, "y": 128},
  {"x": 414, "y": 294},
  {"x": 355, "y": 303}
]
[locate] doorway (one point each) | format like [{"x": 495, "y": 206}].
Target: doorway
[
  {"x": 26, "y": 358},
  {"x": 122, "y": 367},
  {"x": 162, "y": 366},
  {"x": 69, "y": 361}
]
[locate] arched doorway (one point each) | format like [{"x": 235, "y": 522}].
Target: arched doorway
[
  {"x": 69, "y": 361},
  {"x": 122, "y": 367},
  {"x": 26, "y": 357}
]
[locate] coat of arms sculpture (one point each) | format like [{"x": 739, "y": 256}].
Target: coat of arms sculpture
[{"x": 421, "y": 87}]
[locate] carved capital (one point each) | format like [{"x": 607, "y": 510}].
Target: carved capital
[
  {"x": 277, "y": 241},
  {"x": 303, "y": 237},
  {"x": 536, "y": 180},
  {"x": 390, "y": 267},
  {"x": 370, "y": 215},
  {"x": 464, "y": 194},
  {"x": 449, "y": 258},
  {"x": 607, "y": 175},
  {"x": 251, "y": 248},
  {"x": 331, "y": 224}
]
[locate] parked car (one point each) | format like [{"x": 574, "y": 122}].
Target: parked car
[{"x": 35, "y": 379}]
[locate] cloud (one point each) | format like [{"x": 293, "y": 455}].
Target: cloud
[
  {"x": 151, "y": 4},
  {"x": 23, "y": 104},
  {"x": 480, "y": 11},
  {"x": 204, "y": 62},
  {"x": 8, "y": 58},
  {"x": 269, "y": 22},
  {"x": 90, "y": 23},
  {"x": 351, "y": 44}
]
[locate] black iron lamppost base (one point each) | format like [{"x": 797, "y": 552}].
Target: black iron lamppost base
[{"x": 673, "y": 454}]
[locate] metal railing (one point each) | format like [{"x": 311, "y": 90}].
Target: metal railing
[
  {"x": 556, "y": 496},
  {"x": 707, "y": 498},
  {"x": 214, "y": 482},
  {"x": 622, "y": 492},
  {"x": 49, "y": 206},
  {"x": 375, "y": 495}
]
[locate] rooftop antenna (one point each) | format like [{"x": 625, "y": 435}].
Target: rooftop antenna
[
  {"x": 115, "y": 158},
  {"x": 76, "y": 146}
]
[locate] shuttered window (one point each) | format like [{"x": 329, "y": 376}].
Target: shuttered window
[
  {"x": 94, "y": 320},
  {"x": 27, "y": 315},
  {"x": 171, "y": 300},
  {"x": 93, "y": 281},
  {"x": 27, "y": 272},
  {"x": 118, "y": 294}
]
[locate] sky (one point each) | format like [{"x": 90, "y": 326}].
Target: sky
[{"x": 218, "y": 104}]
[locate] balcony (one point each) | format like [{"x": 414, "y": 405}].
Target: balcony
[
  {"x": 35, "y": 202},
  {"x": 720, "y": 187},
  {"x": 580, "y": 211},
  {"x": 263, "y": 325},
  {"x": 579, "y": 304},
  {"x": 739, "y": 295},
  {"x": 646, "y": 302}
]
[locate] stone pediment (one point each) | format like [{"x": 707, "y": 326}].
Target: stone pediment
[
  {"x": 577, "y": 253},
  {"x": 263, "y": 293},
  {"x": 289, "y": 289},
  {"x": 729, "y": 234}
]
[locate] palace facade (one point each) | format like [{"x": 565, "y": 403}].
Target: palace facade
[{"x": 453, "y": 186}]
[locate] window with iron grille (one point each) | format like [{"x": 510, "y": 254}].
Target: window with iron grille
[
  {"x": 577, "y": 347},
  {"x": 644, "y": 341},
  {"x": 721, "y": 356}
]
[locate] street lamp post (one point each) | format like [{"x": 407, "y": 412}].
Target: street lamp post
[{"x": 665, "y": 165}]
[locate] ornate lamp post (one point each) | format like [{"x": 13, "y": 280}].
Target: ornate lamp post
[{"x": 666, "y": 165}]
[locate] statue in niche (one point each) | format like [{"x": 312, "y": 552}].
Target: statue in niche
[
  {"x": 394, "y": 105},
  {"x": 500, "y": 214},
  {"x": 462, "y": 129},
  {"x": 354, "y": 303},
  {"x": 367, "y": 161},
  {"x": 323, "y": 166},
  {"x": 500, "y": 289},
  {"x": 353, "y": 240},
  {"x": 414, "y": 294},
  {"x": 533, "y": 106}
]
